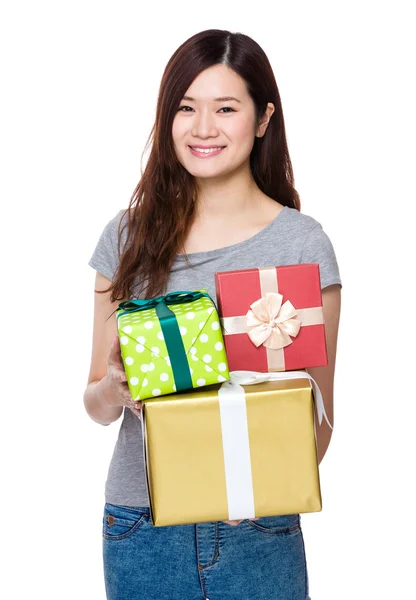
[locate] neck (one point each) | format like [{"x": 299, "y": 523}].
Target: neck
[{"x": 232, "y": 194}]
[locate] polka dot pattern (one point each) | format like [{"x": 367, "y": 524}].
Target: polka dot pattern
[{"x": 145, "y": 356}]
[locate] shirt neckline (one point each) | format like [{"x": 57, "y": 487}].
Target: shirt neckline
[{"x": 239, "y": 245}]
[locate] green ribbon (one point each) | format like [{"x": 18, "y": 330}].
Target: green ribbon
[{"x": 170, "y": 329}]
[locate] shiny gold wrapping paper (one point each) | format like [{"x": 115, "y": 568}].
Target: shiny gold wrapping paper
[{"x": 185, "y": 461}]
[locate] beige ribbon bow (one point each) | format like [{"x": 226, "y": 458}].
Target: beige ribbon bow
[{"x": 271, "y": 322}]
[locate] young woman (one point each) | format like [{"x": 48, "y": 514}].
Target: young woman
[{"x": 217, "y": 194}]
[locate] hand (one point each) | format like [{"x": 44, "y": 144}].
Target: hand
[{"x": 116, "y": 389}]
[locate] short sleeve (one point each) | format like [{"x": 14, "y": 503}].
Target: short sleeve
[
  {"x": 105, "y": 257},
  {"x": 318, "y": 248}
]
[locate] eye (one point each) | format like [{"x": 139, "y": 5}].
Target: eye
[{"x": 223, "y": 108}]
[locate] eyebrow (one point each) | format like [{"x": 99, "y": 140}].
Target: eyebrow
[{"x": 222, "y": 99}]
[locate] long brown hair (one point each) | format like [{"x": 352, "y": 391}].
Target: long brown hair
[{"x": 162, "y": 207}]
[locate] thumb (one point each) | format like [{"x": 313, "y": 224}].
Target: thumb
[
  {"x": 114, "y": 360},
  {"x": 114, "y": 357}
]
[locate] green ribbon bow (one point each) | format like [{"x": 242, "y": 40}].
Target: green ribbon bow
[{"x": 170, "y": 329}]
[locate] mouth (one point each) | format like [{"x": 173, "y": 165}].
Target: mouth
[{"x": 206, "y": 152}]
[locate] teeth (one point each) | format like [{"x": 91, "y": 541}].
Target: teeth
[{"x": 207, "y": 150}]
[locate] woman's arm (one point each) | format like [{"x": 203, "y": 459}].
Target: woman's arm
[
  {"x": 96, "y": 400},
  {"x": 324, "y": 376}
]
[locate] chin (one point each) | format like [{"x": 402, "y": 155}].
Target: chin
[
  {"x": 206, "y": 174},
  {"x": 207, "y": 170}
]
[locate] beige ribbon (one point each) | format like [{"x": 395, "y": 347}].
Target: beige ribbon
[
  {"x": 272, "y": 323},
  {"x": 262, "y": 321}
]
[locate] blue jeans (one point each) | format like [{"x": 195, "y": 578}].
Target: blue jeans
[{"x": 254, "y": 560}]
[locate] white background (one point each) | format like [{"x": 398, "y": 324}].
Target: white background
[{"x": 79, "y": 87}]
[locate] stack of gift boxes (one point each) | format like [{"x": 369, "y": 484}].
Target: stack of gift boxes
[{"x": 228, "y": 419}]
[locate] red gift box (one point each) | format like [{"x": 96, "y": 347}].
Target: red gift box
[{"x": 272, "y": 318}]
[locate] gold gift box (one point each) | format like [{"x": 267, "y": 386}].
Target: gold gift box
[{"x": 184, "y": 449}]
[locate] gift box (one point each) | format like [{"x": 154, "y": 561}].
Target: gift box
[
  {"x": 233, "y": 451},
  {"x": 171, "y": 343},
  {"x": 272, "y": 318}
]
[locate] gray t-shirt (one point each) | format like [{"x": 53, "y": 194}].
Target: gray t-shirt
[{"x": 291, "y": 238}]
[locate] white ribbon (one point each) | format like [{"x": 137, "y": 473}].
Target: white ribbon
[
  {"x": 235, "y": 438},
  {"x": 236, "y": 448},
  {"x": 253, "y": 377}
]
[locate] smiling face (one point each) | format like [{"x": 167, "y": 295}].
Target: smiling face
[{"x": 217, "y": 115}]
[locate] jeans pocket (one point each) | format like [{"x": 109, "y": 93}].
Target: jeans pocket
[
  {"x": 119, "y": 522},
  {"x": 278, "y": 525}
]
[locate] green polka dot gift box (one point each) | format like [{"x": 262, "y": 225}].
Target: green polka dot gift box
[{"x": 171, "y": 344}]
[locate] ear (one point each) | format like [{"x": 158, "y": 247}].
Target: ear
[{"x": 264, "y": 121}]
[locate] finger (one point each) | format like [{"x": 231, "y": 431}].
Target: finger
[
  {"x": 119, "y": 374},
  {"x": 137, "y": 404},
  {"x": 138, "y": 413}
]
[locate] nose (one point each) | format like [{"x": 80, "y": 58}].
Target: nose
[{"x": 204, "y": 125}]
